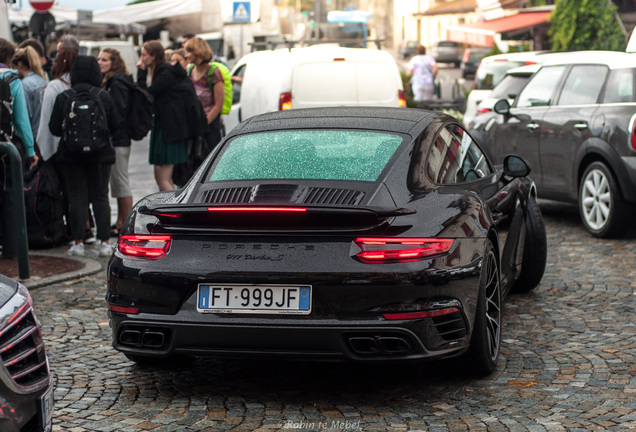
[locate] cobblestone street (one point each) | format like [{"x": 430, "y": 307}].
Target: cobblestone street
[{"x": 568, "y": 364}]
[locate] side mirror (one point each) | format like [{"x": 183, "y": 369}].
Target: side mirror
[
  {"x": 515, "y": 166},
  {"x": 502, "y": 107}
]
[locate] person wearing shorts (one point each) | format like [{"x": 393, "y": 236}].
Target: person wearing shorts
[{"x": 115, "y": 74}]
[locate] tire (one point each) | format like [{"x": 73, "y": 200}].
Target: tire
[
  {"x": 603, "y": 211},
  {"x": 485, "y": 342},
  {"x": 535, "y": 250}
]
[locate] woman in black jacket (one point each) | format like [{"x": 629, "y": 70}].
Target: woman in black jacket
[
  {"x": 178, "y": 112},
  {"x": 118, "y": 81},
  {"x": 87, "y": 174}
]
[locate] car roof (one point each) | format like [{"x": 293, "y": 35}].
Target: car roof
[
  {"x": 533, "y": 56},
  {"x": 612, "y": 59},
  {"x": 395, "y": 120}
]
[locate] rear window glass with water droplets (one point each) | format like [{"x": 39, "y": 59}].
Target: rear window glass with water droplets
[{"x": 306, "y": 155}]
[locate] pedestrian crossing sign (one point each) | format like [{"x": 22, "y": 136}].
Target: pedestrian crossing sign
[{"x": 241, "y": 11}]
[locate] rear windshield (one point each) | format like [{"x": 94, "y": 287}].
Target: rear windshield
[
  {"x": 448, "y": 44},
  {"x": 319, "y": 155},
  {"x": 509, "y": 87},
  {"x": 490, "y": 73},
  {"x": 620, "y": 86}
]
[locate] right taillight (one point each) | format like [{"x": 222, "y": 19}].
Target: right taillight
[
  {"x": 144, "y": 246},
  {"x": 381, "y": 249},
  {"x": 632, "y": 132},
  {"x": 285, "y": 102},
  {"x": 483, "y": 110}
]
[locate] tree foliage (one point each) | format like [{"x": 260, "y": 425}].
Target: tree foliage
[{"x": 586, "y": 25}]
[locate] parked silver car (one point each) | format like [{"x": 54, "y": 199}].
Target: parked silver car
[{"x": 448, "y": 52}]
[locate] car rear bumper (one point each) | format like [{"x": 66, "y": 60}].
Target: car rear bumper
[{"x": 369, "y": 341}]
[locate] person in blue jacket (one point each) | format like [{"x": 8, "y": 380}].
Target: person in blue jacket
[{"x": 22, "y": 137}]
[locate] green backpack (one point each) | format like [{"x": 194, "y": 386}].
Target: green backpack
[{"x": 227, "y": 83}]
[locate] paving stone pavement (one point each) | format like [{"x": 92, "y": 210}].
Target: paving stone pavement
[{"x": 568, "y": 362}]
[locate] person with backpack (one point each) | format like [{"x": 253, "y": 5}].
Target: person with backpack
[
  {"x": 118, "y": 81},
  {"x": 15, "y": 128},
  {"x": 85, "y": 117},
  {"x": 178, "y": 115},
  {"x": 209, "y": 84}
]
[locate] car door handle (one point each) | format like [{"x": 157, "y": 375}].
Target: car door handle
[
  {"x": 240, "y": 117},
  {"x": 532, "y": 126},
  {"x": 580, "y": 126}
]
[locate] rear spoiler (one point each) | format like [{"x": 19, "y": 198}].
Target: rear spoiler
[{"x": 271, "y": 217}]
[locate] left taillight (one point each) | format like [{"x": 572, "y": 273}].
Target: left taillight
[
  {"x": 285, "y": 102},
  {"x": 144, "y": 246},
  {"x": 401, "y": 99},
  {"x": 378, "y": 250}
]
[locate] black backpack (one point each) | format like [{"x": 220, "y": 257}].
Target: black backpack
[
  {"x": 85, "y": 123},
  {"x": 139, "y": 119},
  {"x": 6, "y": 108},
  {"x": 44, "y": 204}
]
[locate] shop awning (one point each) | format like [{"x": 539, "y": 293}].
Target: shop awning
[{"x": 482, "y": 33}]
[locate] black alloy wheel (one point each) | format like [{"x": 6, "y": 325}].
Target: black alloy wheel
[{"x": 485, "y": 344}]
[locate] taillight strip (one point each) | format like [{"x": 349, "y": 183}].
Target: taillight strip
[
  {"x": 378, "y": 249},
  {"x": 144, "y": 246},
  {"x": 419, "y": 314},
  {"x": 258, "y": 209}
]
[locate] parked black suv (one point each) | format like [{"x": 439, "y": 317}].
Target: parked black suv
[{"x": 574, "y": 122}]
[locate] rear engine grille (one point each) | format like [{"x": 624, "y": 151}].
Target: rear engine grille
[
  {"x": 450, "y": 327},
  {"x": 227, "y": 196},
  {"x": 282, "y": 193},
  {"x": 333, "y": 196},
  {"x": 22, "y": 353}
]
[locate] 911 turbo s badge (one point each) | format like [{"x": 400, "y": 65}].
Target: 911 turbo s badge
[
  {"x": 259, "y": 247},
  {"x": 255, "y": 257}
]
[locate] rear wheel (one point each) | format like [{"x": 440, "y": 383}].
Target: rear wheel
[
  {"x": 603, "y": 210},
  {"x": 535, "y": 250},
  {"x": 485, "y": 342}
]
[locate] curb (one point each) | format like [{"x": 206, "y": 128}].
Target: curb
[{"x": 91, "y": 267}]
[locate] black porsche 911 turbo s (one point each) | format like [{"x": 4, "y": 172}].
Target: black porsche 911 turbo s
[{"x": 364, "y": 234}]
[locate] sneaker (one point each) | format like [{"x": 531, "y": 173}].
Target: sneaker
[
  {"x": 105, "y": 250},
  {"x": 77, "y": 250},
  {"x": 90, "y": 237}
]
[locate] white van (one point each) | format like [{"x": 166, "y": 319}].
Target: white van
[
  {"x": 127, "y": 50},
  {"x": 317, "y": 76}
]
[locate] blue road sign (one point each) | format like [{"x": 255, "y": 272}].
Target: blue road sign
[{"x": 241, "y": 11}]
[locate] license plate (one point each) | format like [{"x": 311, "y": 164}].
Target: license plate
[
  {"x": 237, "y": 298},
  {"x": 47, "y": 401}
]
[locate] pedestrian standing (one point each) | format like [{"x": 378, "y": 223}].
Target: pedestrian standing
[
  {"x": 87, "y": 171},
  {"x": 208, "y": 83},
  {"x": 118, "y": 81},
  {"x": 15, "y": 128},
  {"x": 45, "y": 61},
  {"x": 423, "y": 70},
  {"x": 34, "y": 80},
  {"x": 67, "y": 52},
  {"x": 178, "y": 56},
  {"x": 178, "y": 115}
]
